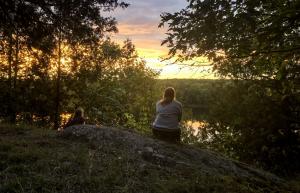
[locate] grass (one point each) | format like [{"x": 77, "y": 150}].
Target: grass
[{"x": 38, "y": 160}]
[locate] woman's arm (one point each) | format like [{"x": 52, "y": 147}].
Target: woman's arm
[
  {"x": 179, "y": 116},
  {"x": 68, "y": 123},
  {"x": 180, "y": 112}
]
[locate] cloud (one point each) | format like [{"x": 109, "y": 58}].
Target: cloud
[
  {"x": 147, "y": 11},
  {"x": 139, "y": 22},
  {"x": 150, "y": 31},
  {"x": 141, "y": 19}
]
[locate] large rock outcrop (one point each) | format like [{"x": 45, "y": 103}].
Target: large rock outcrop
[{"x": 150, "y": 151}]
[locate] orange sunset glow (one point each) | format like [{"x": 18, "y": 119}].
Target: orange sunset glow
[{"x": 139, "y": 23}]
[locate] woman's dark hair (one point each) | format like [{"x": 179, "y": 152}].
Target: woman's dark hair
[
  {"x": 78, "y": 113},
  {"x": 169, "y": 96}
]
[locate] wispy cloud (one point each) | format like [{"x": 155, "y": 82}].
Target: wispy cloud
[
  {"x": 141, "y": 19},
  {"x": 139, "y": 22}
]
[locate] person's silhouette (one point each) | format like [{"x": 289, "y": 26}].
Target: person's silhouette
[
  {"x": 168, "y": 116},
  {"x": 76, "y": 119}
]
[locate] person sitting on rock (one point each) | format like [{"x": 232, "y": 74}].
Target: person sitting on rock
[
  {"x": 76, "y": 119},
  {"x": 168, "y": 116}
]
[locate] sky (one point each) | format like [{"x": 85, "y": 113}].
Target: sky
[{"x": 139, "y": 23}]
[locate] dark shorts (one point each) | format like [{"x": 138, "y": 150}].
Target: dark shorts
[{"x": 170, "y": 135}]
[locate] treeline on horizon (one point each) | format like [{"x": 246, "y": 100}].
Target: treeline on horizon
[
  {"x": 56, "y": 55},
  {"x": 110, "y": 92}
]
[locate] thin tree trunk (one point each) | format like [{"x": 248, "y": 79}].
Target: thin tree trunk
[
  {"x": 57, "y": 99},
  {"x": 16, "y": 63},
  {"x": 10, "y": 95},
  {"x": 14, "y": 81}
]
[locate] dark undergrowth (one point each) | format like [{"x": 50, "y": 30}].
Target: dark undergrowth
[{"x": 39, "y": 160}]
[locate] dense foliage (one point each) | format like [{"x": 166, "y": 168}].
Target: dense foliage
[
  {"x": 55, "y": 56},
  {"x": 257, "y": 120}
]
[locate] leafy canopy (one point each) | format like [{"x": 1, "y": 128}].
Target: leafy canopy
[
  {"x": 240, "y": 36},
  {"x": 40, "y": 22}
]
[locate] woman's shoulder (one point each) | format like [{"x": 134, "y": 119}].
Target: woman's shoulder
[
  {"x": 177, "y": 103},
  {"x": 158, "y": 103}
]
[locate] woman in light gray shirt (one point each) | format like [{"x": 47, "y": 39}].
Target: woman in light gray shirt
[{"x": 168, "y": 116}]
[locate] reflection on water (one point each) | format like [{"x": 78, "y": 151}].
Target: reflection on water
[
  {"x": 195, "y": 126},
  {"x": 198, "y": 131},
  {"x": 64, "y": 117}
]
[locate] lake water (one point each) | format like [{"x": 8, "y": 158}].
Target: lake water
[{"x": 195, "y": 125}]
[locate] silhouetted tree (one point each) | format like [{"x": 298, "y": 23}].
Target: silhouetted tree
[
  {"x": 250, "y": 40},
  {"x": 52, "y": 24}
]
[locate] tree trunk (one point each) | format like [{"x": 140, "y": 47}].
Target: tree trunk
[
  {"x": 57, "y": 98},
  {"x": 14, "y": 81},
  {"x": 16, "y": 63},
  {"x": 10, "y": 109}
]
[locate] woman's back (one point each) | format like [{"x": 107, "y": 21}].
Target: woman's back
[{"x": 168, "y": 115}]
